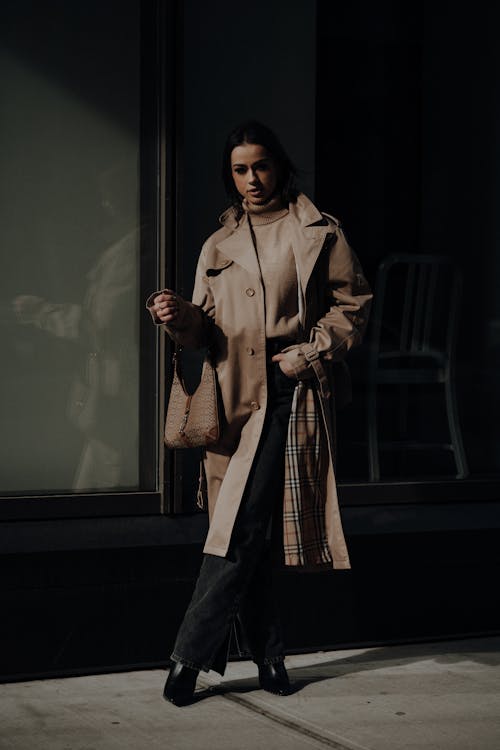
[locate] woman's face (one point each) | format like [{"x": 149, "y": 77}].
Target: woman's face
[{"x": 254, "y": 172}]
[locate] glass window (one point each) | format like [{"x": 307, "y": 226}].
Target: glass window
[
  {"x": 408, "y": 160},
  {"x": 70, "y": 237}
]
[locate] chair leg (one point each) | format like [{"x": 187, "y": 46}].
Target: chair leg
[
  {"x": 371, "y": 417},
  {"x": 403, "y": 425},
  {"x": 454, "y": 426},
  {"x": 403, "y": 411}
]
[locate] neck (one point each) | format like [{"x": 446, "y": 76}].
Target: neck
[
  {"x": 275, "y": 203},
  {"x": 265, "y": 213}
]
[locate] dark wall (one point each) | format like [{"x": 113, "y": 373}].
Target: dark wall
[
  {"x": 368, "y": 138},
  {"x": 94, "y": 611},
  {"x": 237, "y": 66}
]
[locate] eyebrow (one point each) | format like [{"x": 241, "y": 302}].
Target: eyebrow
[{"x": 259, "y": 161}]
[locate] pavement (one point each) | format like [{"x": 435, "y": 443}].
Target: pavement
[{"x": 436, "y": 696}]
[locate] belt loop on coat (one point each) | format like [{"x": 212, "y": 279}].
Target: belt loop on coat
[{"x": 313, "y": 357}]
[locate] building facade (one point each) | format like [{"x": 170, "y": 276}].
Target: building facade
[{"x": 113, "y": 120}]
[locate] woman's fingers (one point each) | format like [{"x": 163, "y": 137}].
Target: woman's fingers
[
  {"x": 166, "y": 296},
  {"x": 167, "y": 313},
  {"x": 166, "y": 306},
  {"x": 285, "y": 366}
]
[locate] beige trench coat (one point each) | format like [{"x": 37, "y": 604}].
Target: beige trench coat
[{"x": 228, "y": 289}]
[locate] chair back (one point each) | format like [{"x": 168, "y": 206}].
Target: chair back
[{"x": 415, "y": 308}]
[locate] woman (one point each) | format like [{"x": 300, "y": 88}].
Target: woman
[{"x": 281, "y": 298}]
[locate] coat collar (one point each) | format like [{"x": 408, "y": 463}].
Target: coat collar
[
  {"x": 304, "y": 209},
  {"x": 309, "y": 229},
  {"x": 308, "y": 232}
]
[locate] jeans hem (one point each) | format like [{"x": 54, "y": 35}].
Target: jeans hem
[
  {"x": 190, "y": 664},
  {"x": 270, "y": 660}
]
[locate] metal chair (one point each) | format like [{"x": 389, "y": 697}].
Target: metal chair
[{"x": 413, "y": 336}]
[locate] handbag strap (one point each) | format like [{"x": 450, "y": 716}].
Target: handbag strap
[
  {"x": 177, "y": 362},
  {"x": 177, "y": 359}
]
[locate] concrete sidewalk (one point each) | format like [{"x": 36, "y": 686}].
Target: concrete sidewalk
[{"x": 435, "y": 696}]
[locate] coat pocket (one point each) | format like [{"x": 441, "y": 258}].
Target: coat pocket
[{"x": 217, "y": 269}]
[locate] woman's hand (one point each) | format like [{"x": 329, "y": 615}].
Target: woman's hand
[
  {"x": 166, "y": 306},
  {"x": 285, "y": 367}
]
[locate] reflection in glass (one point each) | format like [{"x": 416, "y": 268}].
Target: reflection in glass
[
  {"x": 69, "y": 223},
  {"x": 412, "y": 347}
]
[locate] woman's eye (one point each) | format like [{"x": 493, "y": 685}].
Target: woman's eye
[{"x": 240, "y": 170}]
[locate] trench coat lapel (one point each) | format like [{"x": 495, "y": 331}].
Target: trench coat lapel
[
  {"x": 307, "y": 240},
  {"x": 240, "y": 249}
]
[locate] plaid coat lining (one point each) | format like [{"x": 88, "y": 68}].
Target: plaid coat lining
[{"x": 306, "y": 465}]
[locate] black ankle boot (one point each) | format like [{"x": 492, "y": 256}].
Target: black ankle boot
[
  {"x": 274, "y": 678},
  {"x": 180, "y": 684}
]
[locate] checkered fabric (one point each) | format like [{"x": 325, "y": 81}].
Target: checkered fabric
[{"x": 306, "y": 465}]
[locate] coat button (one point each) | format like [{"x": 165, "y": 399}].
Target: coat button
[
  {"x": 250, "y": 351},
  {"x": 250, "y": 292},
  {"x": 255, "y": 406}
]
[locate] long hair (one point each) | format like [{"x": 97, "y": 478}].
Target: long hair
[{"x": 256, "y": 133}]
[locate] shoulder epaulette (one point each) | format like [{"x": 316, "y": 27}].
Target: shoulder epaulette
[{"x": 332, "y": 218}]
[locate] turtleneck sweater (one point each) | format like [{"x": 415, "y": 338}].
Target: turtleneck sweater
[{"x": 271, "y": 238}]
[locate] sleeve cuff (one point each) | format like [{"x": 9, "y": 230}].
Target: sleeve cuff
[
  {"x": 149, "y": 306},
  {"x": 299, "y": 358}
]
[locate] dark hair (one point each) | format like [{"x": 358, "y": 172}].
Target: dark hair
[{"x": 256, "y": 133}]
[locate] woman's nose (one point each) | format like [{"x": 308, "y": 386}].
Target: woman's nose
[{"x": 252, "y": 177}]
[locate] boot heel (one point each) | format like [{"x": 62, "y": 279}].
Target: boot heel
[
  {"x": 274, "y": 678},
  {"x": 180, "y": 684}
]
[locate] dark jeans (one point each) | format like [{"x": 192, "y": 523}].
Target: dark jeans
[{"x": 241, "y": 583}]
